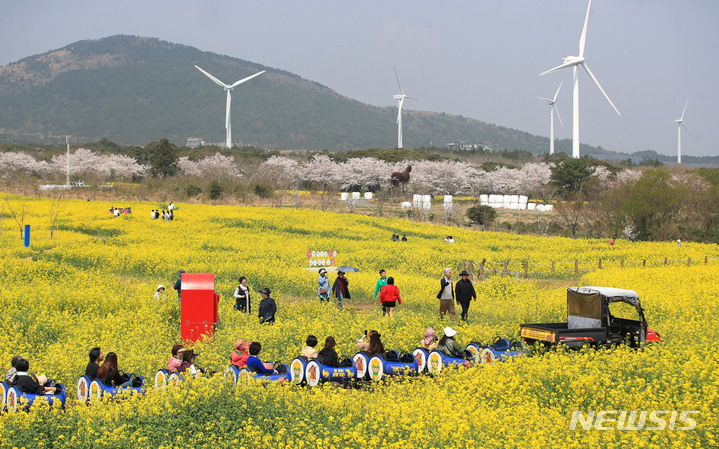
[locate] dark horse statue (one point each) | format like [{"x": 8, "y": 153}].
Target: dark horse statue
[{"x": 400, "y": 177}]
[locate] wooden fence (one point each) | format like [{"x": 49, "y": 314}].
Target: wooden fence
[{"x": 480, "y": 271}]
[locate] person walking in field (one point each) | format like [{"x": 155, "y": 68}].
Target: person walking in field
[
  {"x": 446, "y": 295},
  {"x": 389, "y": 296},
  {"x": 464, "y": 293},
  {"x": 381, "y": 282},
  {"x": 267, "y": 308},
  {"x": 323, "y": 286},
  {"x": 341, "y": 289}
]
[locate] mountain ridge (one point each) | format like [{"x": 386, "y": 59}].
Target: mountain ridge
[{"x": 133, "y": 90}]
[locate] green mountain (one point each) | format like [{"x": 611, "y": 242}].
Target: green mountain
[{"x": 134, "y": 90}]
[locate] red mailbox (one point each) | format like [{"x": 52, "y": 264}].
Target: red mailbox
[{"x": 199, "y": 305}]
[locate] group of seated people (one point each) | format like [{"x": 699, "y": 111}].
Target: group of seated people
[
  {"x": 27, "y": 382},
  {"x": 123, "y": 210},
  {"x": 183, "y": 360},
  {"x": 246, "y": 354},
  {"x": 167, "y": 216},
  {"x": 108, "y": 373}
]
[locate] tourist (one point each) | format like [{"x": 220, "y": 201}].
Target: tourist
[
  {"x": 268, "y": 307},
  {"x": 309, "y": 352},
  {"x": 240, "y": 355},
  {"x": 323, "y": 286},
  {"x": 178, "y": 287},
  {"x": 12, "y": 372},
  {"x": 389, "y": 297},
  {"x": 160, "y": 293},
  {"x": 109, "y": 373},
  {"x": 31, "y": 384},
  {"x": 242, "y": 296},
  {"x": 464, "y": 293},
  {"x": 176, "y": 360},
  {"x": 430, "y": 341},
  {"x": 449, "y": 346},
  {"x": 328, "y": 356},
  {"x": 96, "y": 356},
  {"x": 341, "y": 289},
  {"x": 381, "y": 282},
  {"x": 446, "y": 295},
  {"x": 254, "y": 363}
]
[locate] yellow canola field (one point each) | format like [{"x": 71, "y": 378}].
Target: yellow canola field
[{"x": 92, "y": 285}]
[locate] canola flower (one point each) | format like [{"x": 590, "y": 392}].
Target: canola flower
[{"x": 95, "y": 289}]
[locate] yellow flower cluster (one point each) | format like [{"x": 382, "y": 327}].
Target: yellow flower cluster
[{"x": 92, "y": 283}]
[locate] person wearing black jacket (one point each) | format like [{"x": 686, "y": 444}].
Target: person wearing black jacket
[
  {"x": 96, "y": 356},
  {"x": 267, "y": 308},
  {"x": 27, "y": 384},
  {"x": 328, "y": 356},
  {"x": 464, "y": 293}
]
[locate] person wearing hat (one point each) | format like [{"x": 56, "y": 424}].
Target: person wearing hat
[
  {"x": 464, "y": 293},
  {"x": 446, "y": 295},
  {"x": 323, "y": 289},
  {"x": 449, "y": 346},
  {"x": 160, "y": 292},
  {"x": 341, "y": 289},
  {"x": 240, "y": 354},
  {"x": 178, "y": 287},
  {"x": 268, "y": 307}
]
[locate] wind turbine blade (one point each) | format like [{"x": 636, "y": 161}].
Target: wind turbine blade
[
  {"x": 219, "y": 83},
  {"x": 559, "y": 67},
  {"x": 583, "y": 39},
  {"x": 558, "y": 116},
  {"x": 594, "y": 78},
  {"x": 685, "y": 110},
  {"x": 557, "y": 92},
  {"x": 398, "y": 84},
  {"x": 411, "y": 98},
  {"x": 548, "y": 100},
  {"x": 687, "y": 130},
  {"x": 237, "y": 83}
]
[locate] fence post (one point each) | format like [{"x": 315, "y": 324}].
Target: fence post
[
  {"x": 600, "y": 264},
  {"x": 552, "y": 267},
  {"x": 506, "y": 268},
  {"x": 689, "y": 261},
  {"x": 494, "y": 271},
  {"x": 576, "y": 267},
  {"x": 622, "y": 263},
  {"x": 706, "y": 260},
  {"x": 481, "y": 270},
  {"x": 471, "y": 269},
  {"x": 526, "y": 268},
  {"x": 665, "y": 261},
  {"x": 644, "y": 262}
]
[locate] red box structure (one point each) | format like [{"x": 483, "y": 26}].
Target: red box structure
[{"x": 199, "y": 305}]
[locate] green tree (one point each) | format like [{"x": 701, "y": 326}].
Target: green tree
[
  {"x": 571, "y": 175},
  {"x": 482, "y": 215},
  {"x": 164, "y": 160},
  {"x": 215, "y": 190}
]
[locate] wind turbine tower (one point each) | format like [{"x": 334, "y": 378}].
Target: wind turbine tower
[
  {"x": 400, "y": 96},
  {"x": 680, "y": 125},
  {"x": 228, "y": 89},
  {"x": 574, "y": 62},
  {"x": 552, "y": 108}
]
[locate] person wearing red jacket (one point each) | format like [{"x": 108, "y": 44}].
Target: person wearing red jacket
[{"x": 389, "y": 296}]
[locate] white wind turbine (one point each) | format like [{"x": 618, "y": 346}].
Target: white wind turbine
[
  {"x": 228, "y": 89},
  {"x": 680, "y": 124},
  {"x": 575, "y": 62},
  {"x": 401, "y": 96},
  {"x": 552, "y": 102}
]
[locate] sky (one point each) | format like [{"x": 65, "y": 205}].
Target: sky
[{"x": 476, "y": 58}]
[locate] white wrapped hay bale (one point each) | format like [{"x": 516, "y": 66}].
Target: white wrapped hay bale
[
  {"x": 368, "y": 195},
  {"x": 355, "y": 195},
  {"x": 531, "y": 206},
  {"x": 344, "y": 196}
]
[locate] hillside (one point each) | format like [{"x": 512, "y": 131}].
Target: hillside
[{"x": 133, "y": 90}]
